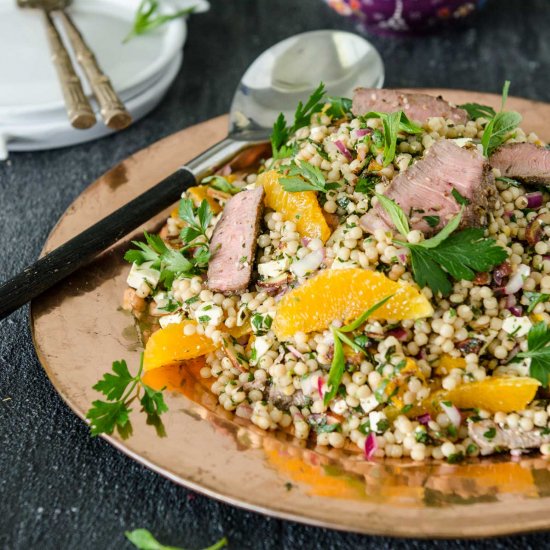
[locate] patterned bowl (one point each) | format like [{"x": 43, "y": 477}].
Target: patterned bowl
[{"x": 405, "y": 16}]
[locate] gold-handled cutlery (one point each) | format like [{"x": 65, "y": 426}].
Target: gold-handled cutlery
[{"x": 79, "y": 110}]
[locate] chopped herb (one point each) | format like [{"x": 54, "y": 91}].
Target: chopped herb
[
  {"x": 339, "y": 107},
  {"x": 490, "y": 433},
  {"x": 455, "y": 458},
  {"x": 545, "y": 431},
  {"x": 204, "y": 319},
  {"x": 148, "y": 17},
  {"x": 342, "y": 202},
  {"x": 538, "y": 351},
  {"x": 452, "y": 431},
  {"x": 221, "y": 184},
  {"x": 288, "y": 486},
  {"x": 535, "y": 298},
  {"x": 432, "y": 221},
  {"x": 261, "y": 323},
  {"x": 303, "y": 176},
  {"x": 243, "y": 259},
  {"x": 383, "y": 425},
  {"x": 471, "y": 449},
  {"x": 192, "y": 300},
  {"x": 475, "y": 110},
  {"x": 459, "y": 198},
  {"x": 121, "y": 389},
  {"x": 144, "y": 540},
  {"x": 366, "y": 185},
  {"x": 510, "y": 181},
  {"x": 500, "y": 125},
  {"x": 406, "y": 409}
]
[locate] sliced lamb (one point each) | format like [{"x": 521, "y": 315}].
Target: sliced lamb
[
  {"x": 523, "y": 161},
  {"x": 426, "y": 187},
  {"x": 504, "y": 438},
  {"x": 233, "y": 243},
  {"x": 418, "y": 107}
]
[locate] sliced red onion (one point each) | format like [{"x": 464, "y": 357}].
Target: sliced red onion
[
  {"x": 320, "y": 386},
  {"x": 342, "y": 148},
  {"x": 402, "y": 255},
  {"x": 534, "y": 200},
  {"x": 308, "y": 263},
  {"x": 310, "y": 384},
  {"x": 305, "y": 241},
  {"x": 425, "y": 419},
  {"x": 516, "y": 311},
  {"x": 508, "y": 214},
  {"x": 453, "y": 413},
  {"x": 371, "y": 445},
  {"x": 399, "y": 333},
  {"x": 363, "y": 132},
  {"x": 515, "y": 284},
  {"x": 511, "y": 301},
  {"x": 295, "y": 352}
]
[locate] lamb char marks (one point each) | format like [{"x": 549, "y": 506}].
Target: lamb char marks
[
  {"x": 425, "y": 189},
  {"x": 523, "y": 161},
  {"x": 418, "y": 107},
  {"x": 233, "y": 243}
]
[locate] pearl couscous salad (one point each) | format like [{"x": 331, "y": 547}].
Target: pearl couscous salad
[{"x": 382, "y": 281}]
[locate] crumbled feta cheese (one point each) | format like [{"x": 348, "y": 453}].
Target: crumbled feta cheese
[
  {"x": 369, "y": 403},
  {"x": 172, "y": 319},
  {"x": 161, "y": 299},
  {"x": 514, "y": 369},
  {"x": 242, "y": 315},
  {"x": 262, "y": 344},
  {"x": 337, "y": 264},
  {"x": 273, "y": 268},
  {"x": 374, "y": 418},
  {"x": 143, "y": 273},
  {"x": 340, "y": 406},
  {"x": 518, "y": 326},
  {"x": 209, "y": 314},
  {"x": 461, "y": 142}
]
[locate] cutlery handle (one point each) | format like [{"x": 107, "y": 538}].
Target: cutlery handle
[
  {"x": 78, "y": 251},
  {"x": 112, "y": 109},
  {"x": 81, "y": 114}
]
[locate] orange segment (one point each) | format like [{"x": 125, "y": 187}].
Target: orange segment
[
  {"x": 344, "y": 294},
  {"x": 447, "y": 363},
  {"x": 302, "y": 207},
  {"x": 492, "y": 394},
  {"x": 170, "y": 345},
  {"x": 198, "y": 193}
]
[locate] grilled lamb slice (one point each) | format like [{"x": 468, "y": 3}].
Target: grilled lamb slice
[
  {"x": 233, "y": 243},
  {"x": 523, "y": 161},
  {"x": 426, "y": 187},
  {"x": 504, "y": 438},
  {"x": 418, "y": 107}
]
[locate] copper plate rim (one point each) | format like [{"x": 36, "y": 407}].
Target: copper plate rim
[{"x": 450, "y": 529}]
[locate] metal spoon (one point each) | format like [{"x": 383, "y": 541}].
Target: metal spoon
[{"x": 283, "y": 75}]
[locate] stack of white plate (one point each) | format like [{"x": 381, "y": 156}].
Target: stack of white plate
[{"x": 32, "y": 112}]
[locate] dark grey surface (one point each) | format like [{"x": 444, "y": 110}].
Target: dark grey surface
[{"x": 59, "y": 488}]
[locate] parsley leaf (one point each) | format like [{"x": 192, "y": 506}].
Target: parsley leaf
[
  {"x": 303, "y": 176},
  {"x": 398, "y": 217},
  {"x": 221, "y": 184},
  {"x": 538, "y": 351},
  {"x": 366, "y": 185},
  {"x": 144, "y": 540},
  {"x": 338, "y": 364},
  {"x": 459, "y": 198},
  {"x": 500, "y": 125},
  {"x": 432, "y": 221},
  {"x": 475, "y": 110},
  {"x": 281, "y": 132},
  {"x": 148, "y": 17},
  {"x": 393, "y": 123},
  {"x": 339, "y": 107},
  {"x": 120, "y": 389},
  {"x": 535, "y": 298}
]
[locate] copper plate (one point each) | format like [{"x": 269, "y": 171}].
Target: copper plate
[{"x": 79, "y": 330}]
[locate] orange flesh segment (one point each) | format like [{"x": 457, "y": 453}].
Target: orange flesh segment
[
  {"x": 302, "y": 207},
  {"x": 170, "y": 345},
  {"x": 344, "y": 294},
  {"x": 492, "y": 394},
  {"x": 198, "y": 193}
]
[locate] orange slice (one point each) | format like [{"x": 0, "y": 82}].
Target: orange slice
[
  {"x": 170, "y": 345},
  {"x": 494, "y": 394},
  {"x": 199, "y": 193},
  {"x": 302, "y": 207},
  {"x": 344, "y": 294}
]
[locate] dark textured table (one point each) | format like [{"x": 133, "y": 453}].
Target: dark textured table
[{"x": 61, "y": 489}]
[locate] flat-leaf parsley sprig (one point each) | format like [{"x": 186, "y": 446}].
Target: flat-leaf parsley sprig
[
  {"x": 340, "y": 335},
  {"x": 538, "y": 351},
  {"x": 144, "y": 540},
  {"x": 121, "y": 389},
  {"x": 192, "y": 259},
  {"x": 148, "y": 17},
  {"x": 303, "y": 176},
  {"x": 459, "y": 254}
]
